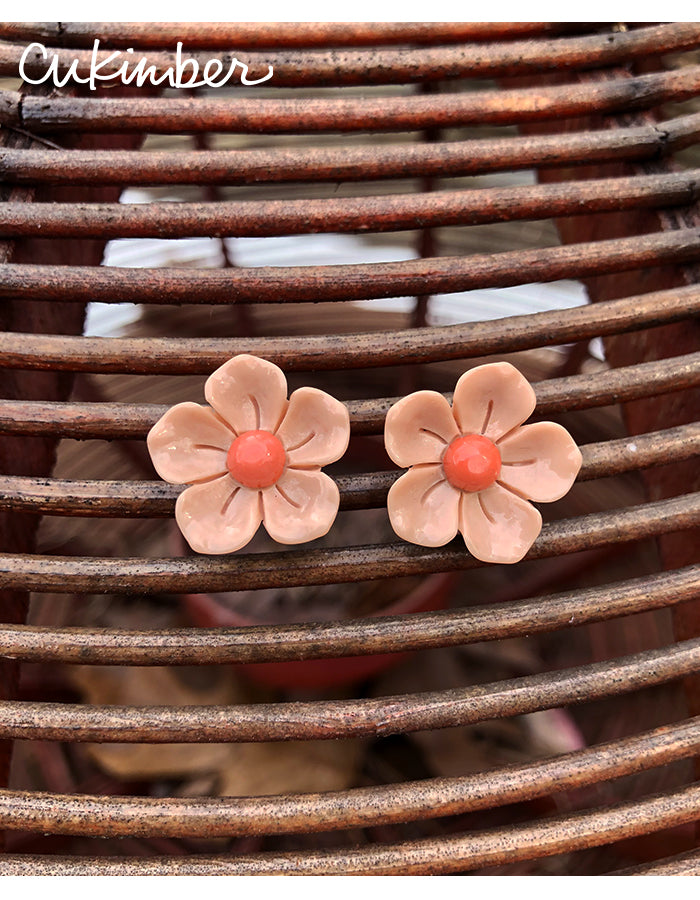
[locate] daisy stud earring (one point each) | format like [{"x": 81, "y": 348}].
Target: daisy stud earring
[
  {"x": 474, "y": 466},
  {"x": 251, "y": 456}
]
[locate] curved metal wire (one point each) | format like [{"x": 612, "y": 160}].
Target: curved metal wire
[
  {"x": 132, "y": 420},
  {"x": 348, "y": 163},
  {"x": 359, "y": 807},
  {"x": 156, "y": 499},
  {"x": 179, "y": 356},
  {"x": 448, "y": 854},
  {"x": 186, "y": 575},
  {"x": 334, "y": 719},
  {"x": 652, "y": 190},
  {"x": 384, "y": 66},
  {"x": 360, "y": 637},
  {"x": 363, "y": 281},
  {"x": 393, "y": 114},
  {"x": 349, "y": 215}
]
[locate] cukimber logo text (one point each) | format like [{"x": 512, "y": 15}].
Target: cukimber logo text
[{"x": 123, "y": 66}]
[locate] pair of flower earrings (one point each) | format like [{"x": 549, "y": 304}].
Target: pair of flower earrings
[{"x": 255, "y": 456}]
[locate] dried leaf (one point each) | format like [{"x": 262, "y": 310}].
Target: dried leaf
[
  {"x": 257, "y": 769},
  {"x": 238, "y": 769},
  {"x": 153, "y": 687}
]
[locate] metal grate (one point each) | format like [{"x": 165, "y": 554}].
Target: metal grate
[{"x": 608, "y": 119}]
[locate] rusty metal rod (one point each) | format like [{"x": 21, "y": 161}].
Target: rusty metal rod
[
  {"x": 448, "y": 854},
  {"x": 200, "y": 356},
  {"x": 155, "y": 499},
  {"x": 628, "y": 454},
  {"x": 361, "y": 807},
  {"x": 435, "y": 856},
  {"x": 247, "y": 35},
  {"x": 358, "y": 637},
  {"x": 334, "y": 719},
  {"x": 364, "y": 281},
  {"x": 317, "y": 115},
  {"x": 347, "y": 163},
  {"x": 291, "y": 568},
  {"x": 349, "y": 215},
  {"x": 180, "y": 356},
  {"x": 375, "y": 66},
  {"x": 110, "y": 421},
  {"x": 683, "y": 864},
  {"x": 623, "y": 822}
]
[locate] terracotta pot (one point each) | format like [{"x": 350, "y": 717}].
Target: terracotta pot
[
  {"x": 389, "y": 597},
  {"x": 207, "y": 611}
]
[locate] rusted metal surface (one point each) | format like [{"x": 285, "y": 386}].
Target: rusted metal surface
[
  {"x": 387, "y": 634},
  {"x": 18, "y": 531},
  {"x": 132, "y": 420},
  {"x": 380, "y": 66},
  {"x": 445, "y": 855},
  {"x": 644, "y": 414},
  {"x": 20, "y": 534},
  {"x": 507, "y": 107},
  {"x": 156, "y": 499},
  {"x": 350, "y": 215},
  {"x": 333, "y": 719},
  {"x": 224, "y": 35},
  {"x": 348, "y": 351},
  {"x": 361, "y": 807},
  {"x": 364, "y": 281},
  {"x": 201, "y": 574},
  {"x": 348, "y": 163},
  {"x": 645, "y": 251},
  {"x": 685, "y": 864}
]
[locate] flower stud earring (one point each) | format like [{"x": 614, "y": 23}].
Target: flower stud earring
[
  {"x": 473, "y": 467},
  {"x": 251, "y": 456}
]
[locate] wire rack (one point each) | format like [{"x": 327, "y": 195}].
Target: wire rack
[{"x": 417, "y": 122}]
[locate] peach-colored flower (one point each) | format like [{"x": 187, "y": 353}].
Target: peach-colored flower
[
  {"x": 252, "y": 456},
  {"x": 474, "y": 466}
]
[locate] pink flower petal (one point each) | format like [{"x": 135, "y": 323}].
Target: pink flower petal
[
  {"x": 189, "y": 443},
  {"x": 497, "y": 525},
  {"x": 424, "y": 507},
  {"x": 492, "y": 399},
  {"x": 249, "y": 393},
  {"x": 218, "y": 516},
  {"x": 539, "y": 461},
  {"x": 316, "y": 429},
  {"x": 419, "y": 428},
  {"x": 302, "y": 506}
]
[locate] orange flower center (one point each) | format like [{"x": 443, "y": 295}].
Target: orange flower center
[
  {"x": 256, "y": 459},
  {"x": 471, "y": 463}
]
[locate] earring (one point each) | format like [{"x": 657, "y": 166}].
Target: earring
[
  {"x": 251, "y": 456},
  {"x": 474, "y": 466}
]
